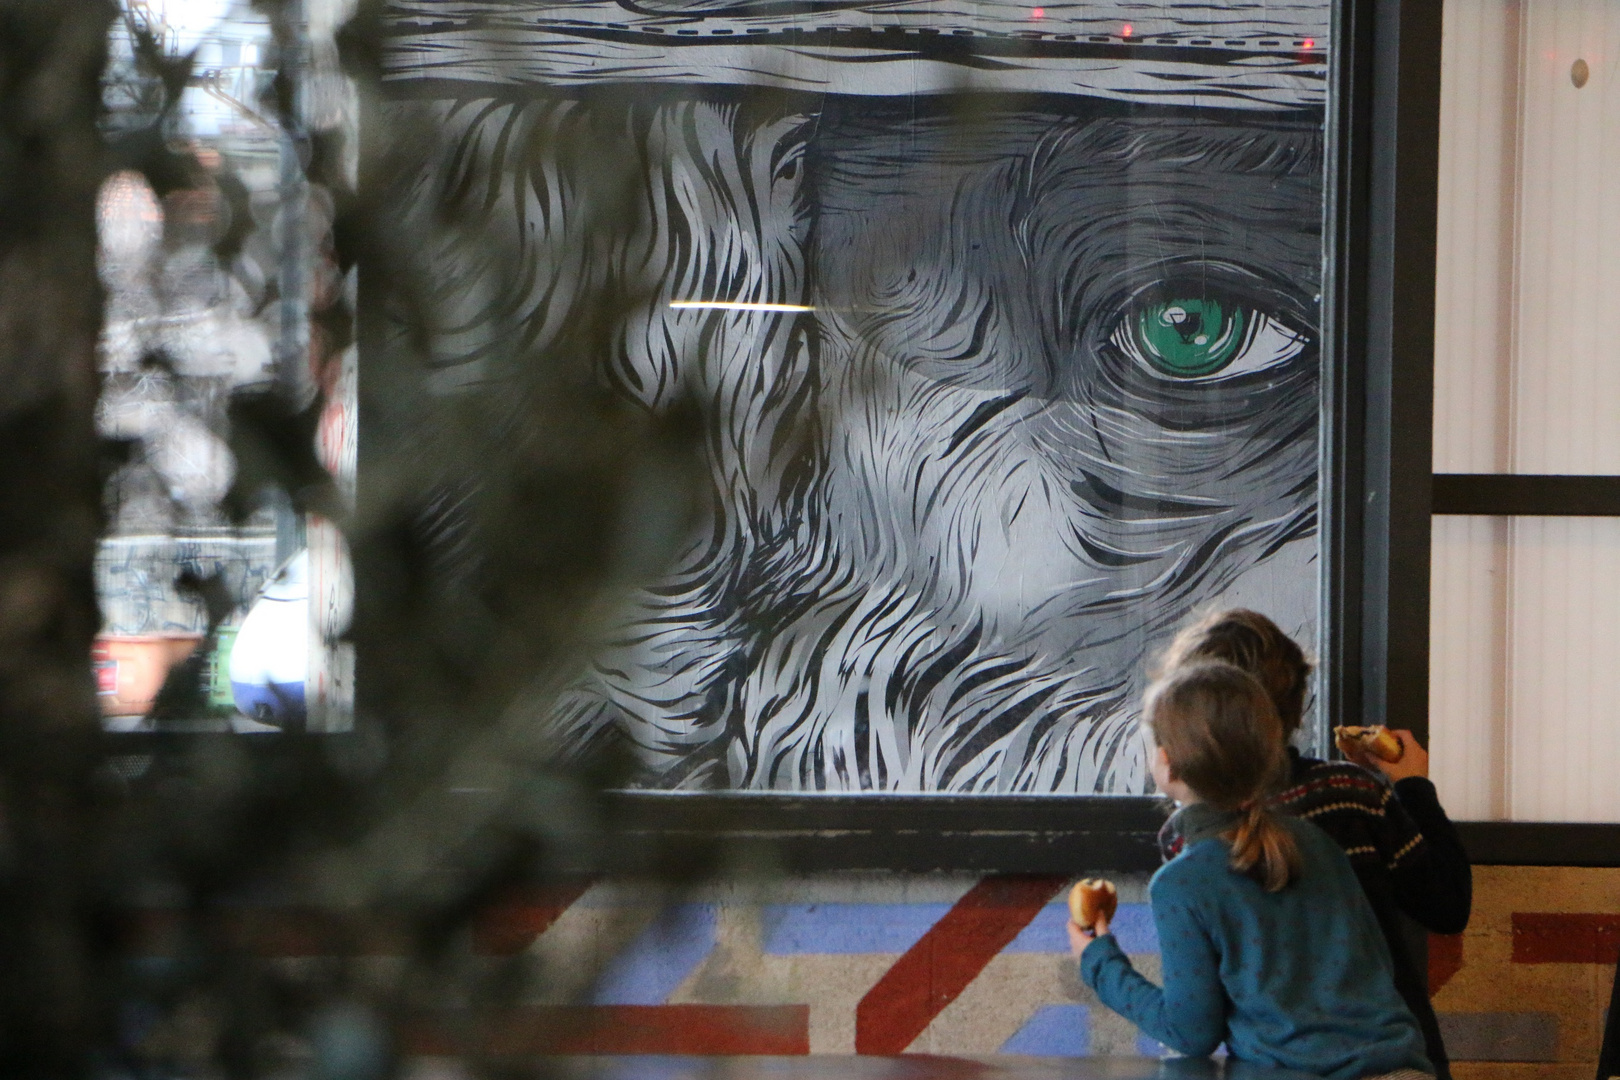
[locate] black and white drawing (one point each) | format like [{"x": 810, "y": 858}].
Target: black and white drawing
[{"x": 1003, "y": 321}]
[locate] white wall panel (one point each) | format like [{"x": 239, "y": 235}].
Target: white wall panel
[
  {"x": 1474, "y": 324},
  {"x": 1564, "y": 670},
  {"x": 1525, "y": 638},
  {"x": 1468, "y": 659},
  {"x": 1566, "y": 409}
]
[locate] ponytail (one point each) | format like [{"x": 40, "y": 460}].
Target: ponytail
[
  {"x": 1222, "y": 737},
  {"x": 1262, "y": 848}
]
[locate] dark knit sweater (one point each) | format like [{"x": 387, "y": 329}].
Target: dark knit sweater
[{"x": 1407, "y": 855}]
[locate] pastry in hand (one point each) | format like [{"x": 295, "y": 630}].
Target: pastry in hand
[
  {"x": 1091, "y": 899},
  {"x": 1376, "y": 742}
]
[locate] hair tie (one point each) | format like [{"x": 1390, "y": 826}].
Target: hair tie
[{"x": 1249, "y": 806}]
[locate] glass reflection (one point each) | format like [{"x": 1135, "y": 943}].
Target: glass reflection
[{"x": 205, "y": 621}]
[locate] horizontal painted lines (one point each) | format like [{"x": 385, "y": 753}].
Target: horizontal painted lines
[
  {"x": 613, "y": 1029},
  {"x": 1553, "y": 938},
  {"x": 1054, "y": 1031},
  {"x": 953, "y": 952},
  {"x": 510, "y": 924},
  {"x": 650, "y": 968},
  {"x": 278, "y": 932},
  {"x": 506, "y": 927},
  {"x": 1500, "y": 1036},
  {"x": 1048, "y": 932},
  {"x": 846, "y": 929},
  {"x": 842, "y": 929},
  {"x": 735, "y": 305},
  {"x": 1445, "y": 960}
]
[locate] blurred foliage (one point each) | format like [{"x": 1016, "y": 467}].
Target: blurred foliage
[{"x": 440, "y": 799}]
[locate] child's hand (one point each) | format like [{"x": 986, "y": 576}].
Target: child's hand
[
  {"x": 1079, "y": 939},
  {"x": 1414, "y": 759},
  {"x": 1414, "y": 762}
]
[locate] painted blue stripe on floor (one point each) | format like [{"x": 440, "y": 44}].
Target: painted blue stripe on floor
[
  {"x": 1054, "y": 1031},
  {"x": 660, "y": 958},
  {"x": 1048, "y": 931},
  {"x": 793, "y": 929}
]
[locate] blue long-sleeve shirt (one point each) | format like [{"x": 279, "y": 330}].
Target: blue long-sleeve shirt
[{"x": 1298, "y": 979}]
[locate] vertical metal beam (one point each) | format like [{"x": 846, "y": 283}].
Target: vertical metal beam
[
  {"x": 1344, "y": 404},
  {"x": 1402, "y": 184},
  {"x": 55, "y": 1000},
  {"x": 292, "y": 239}
]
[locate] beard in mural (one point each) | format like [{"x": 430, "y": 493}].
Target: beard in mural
[{"x": 1055, "y": 385}]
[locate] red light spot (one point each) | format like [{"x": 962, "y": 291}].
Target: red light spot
[
  {"x": 1127, "y": 31},
  {"x": 1038, "y": 13},
  {"x": 1310, "y": 43}
]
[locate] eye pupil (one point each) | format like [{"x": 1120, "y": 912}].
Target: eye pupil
[{"x": 1187, "y": 338}]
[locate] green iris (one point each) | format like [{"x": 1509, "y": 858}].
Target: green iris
[{"x": 1188, "y": 338}]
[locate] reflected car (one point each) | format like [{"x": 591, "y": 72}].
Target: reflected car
[{"x": 270, "y": 654}]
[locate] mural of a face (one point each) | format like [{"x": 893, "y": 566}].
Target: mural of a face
[{"x": 1055, "y": 384}]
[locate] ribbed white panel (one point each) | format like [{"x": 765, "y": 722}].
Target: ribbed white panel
[
  {"x": 1473, "y": 368},
  {"x": 1473, "y": 316},
  {"x": 1468, "y": 666},
  {"x": 1564, "y": 683},
  {"x": 1525, "y": 639},
  {"x": 1567, "y": 390}
]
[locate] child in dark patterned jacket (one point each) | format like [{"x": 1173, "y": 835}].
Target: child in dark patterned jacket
[{"x": 1384, "y": 815}]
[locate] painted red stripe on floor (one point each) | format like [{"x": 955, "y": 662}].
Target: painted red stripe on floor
[
  {"x": 1552, "y": 938},
  {"x": 306, "y": 932},
  {"x": 275, "y": 933},
  {"x": 933, "y": 972},
  {"x": 510, "y": 924},
  {"x": 505, "y": 928},
  {"x": 1445, "y": 959},
  {"x": 616, "y": 1029}
]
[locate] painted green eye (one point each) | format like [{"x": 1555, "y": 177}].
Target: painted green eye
[
  {"x": 1188, "y": 338},
  {"x": 1201, "y": 339}
]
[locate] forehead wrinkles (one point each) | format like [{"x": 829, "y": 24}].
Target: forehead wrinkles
[
  {"x": 1112, "y": 205},
  {"x": 1052, "y": 219},
  {"x": 926, "y": 271}
]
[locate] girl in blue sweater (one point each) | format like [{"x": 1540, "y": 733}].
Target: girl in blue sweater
[{"x": 1266, "y": 939}]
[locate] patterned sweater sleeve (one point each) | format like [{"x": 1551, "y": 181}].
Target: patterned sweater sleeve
[
  {"x": 1398, "y": 839},
  {"x": 1433, "y": 881}
]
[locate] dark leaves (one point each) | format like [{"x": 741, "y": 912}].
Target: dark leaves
[{"x": 273, "y": 441}]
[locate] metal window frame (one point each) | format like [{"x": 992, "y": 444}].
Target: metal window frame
[
  {"x": 1526, "y": 495},
  {"x": 1378, "y": 321}
]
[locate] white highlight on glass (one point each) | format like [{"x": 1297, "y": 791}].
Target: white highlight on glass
[{"x": 736, "y": 305}]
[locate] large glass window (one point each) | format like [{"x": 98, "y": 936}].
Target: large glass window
[{"x": 1000, "y": 323}]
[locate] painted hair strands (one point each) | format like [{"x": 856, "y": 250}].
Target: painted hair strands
[{"x": 1220, "y": 731}]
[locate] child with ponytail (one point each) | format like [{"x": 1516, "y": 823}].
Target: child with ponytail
[{"x": 1267, "y": 943}]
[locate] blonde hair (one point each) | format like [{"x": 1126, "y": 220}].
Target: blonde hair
[
  {"x": 1220, "y": 731},
  {"x": 1248, "y": 640}
]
